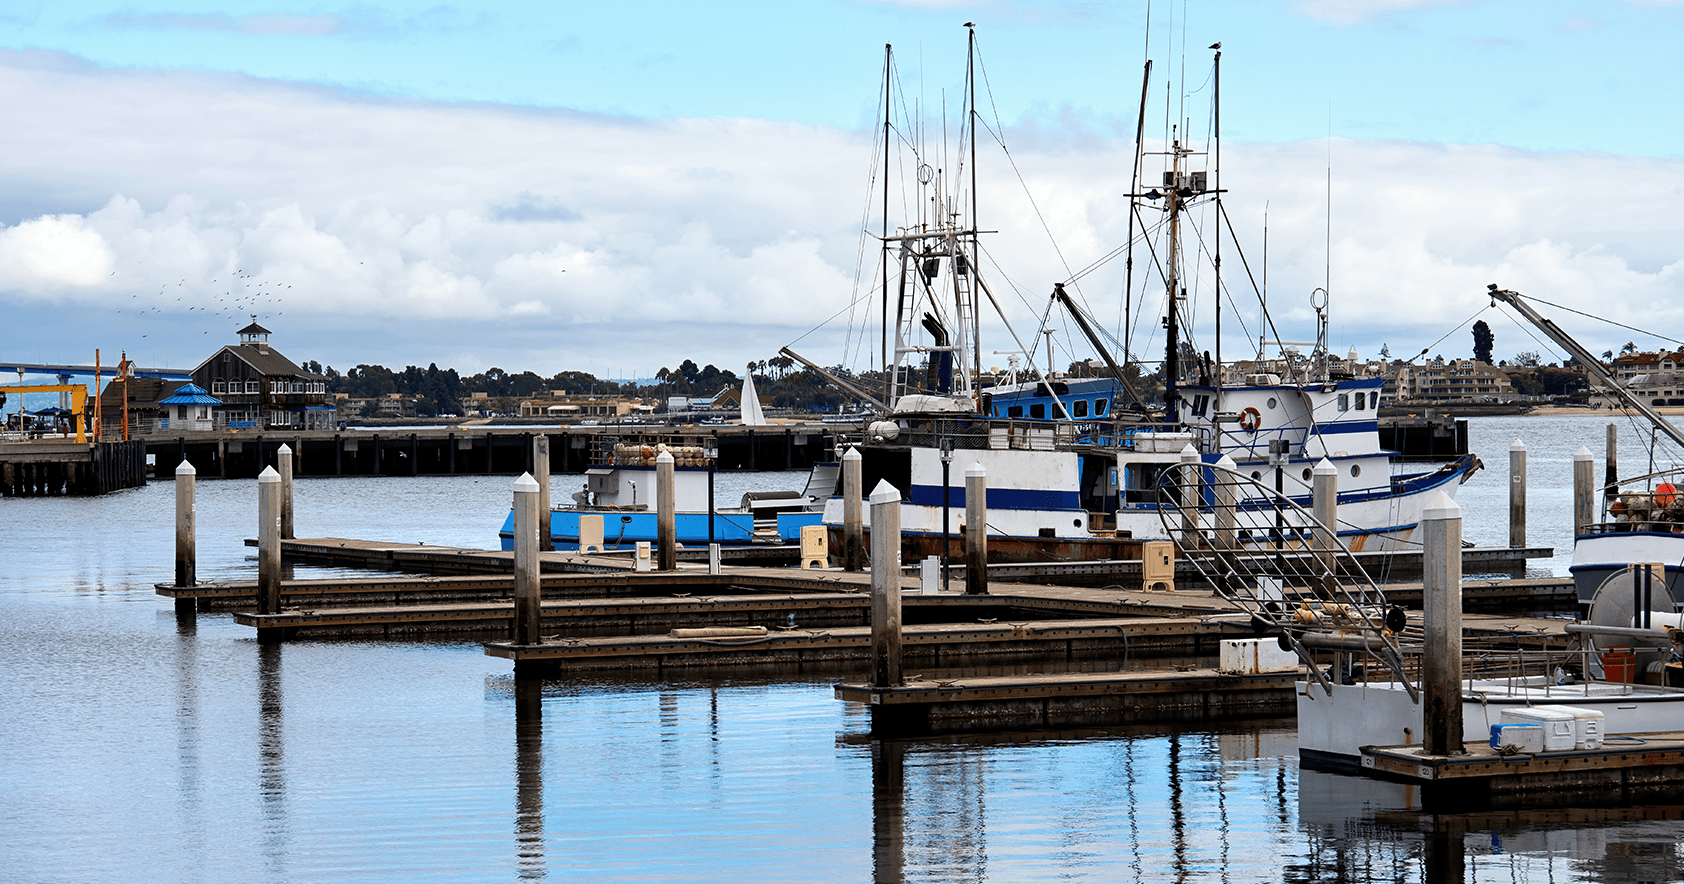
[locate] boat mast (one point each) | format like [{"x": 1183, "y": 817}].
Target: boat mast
[
  {"x": 976, "y": 227},
  {"x": 1134, "y": 188},
  {"x": 1216, "y": 125},
  {"x": 1172, "y": 331},
  {"x": 888, "y": 375}
]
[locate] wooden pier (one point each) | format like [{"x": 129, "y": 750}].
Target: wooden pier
[
  {"x": 1627, "y": 769},
  {"x": 50, "y": 468}
]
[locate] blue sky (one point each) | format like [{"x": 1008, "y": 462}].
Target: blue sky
[{"x": 617, "y": 187}]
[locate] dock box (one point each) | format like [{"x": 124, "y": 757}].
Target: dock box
[
  {"x": 1253, "y": 656},
  {"x": 1527, "y": 738},
  {"x": 1587, "y": 725},
  {"x": 1560, "y": 728}
]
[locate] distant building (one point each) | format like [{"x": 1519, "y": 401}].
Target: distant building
[
  {"x": 567, "y": 406},
  {"x": 262, "y": 389},
  {"x": 1457, "y": 380},
  {"x": 188, "y": 408}
]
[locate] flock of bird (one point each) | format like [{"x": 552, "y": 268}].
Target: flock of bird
[{"x": 242, "y": 298}]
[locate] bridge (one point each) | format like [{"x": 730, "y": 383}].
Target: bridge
[{"x": 66, "y": 372}]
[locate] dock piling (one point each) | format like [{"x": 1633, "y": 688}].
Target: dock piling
[
  {"x": 283, "y": 460},
  {"x": 1517, "y": 495},
  {"x": 666, "y": 512},
  {"x": 541, "y": 475},
  {"x": 1223, "y": 502},
  {"x": 1441, "y": 615},
  {"x": 1189, "y": 493},
  {"x": 1584, "y": 490},
  {"x": 713, "y": 559},
  {"x": 976, "y": 530},
  {"x": 268, "y": 542},
  {"x": 885, "y": 586},
  {"x": 526, "y": 631},
  {"x": 186, "y": 536},
  {"x": 853, "y": 530},
  {"x": 1324, "y": 501},
  {"x": 1611, "y": 463}
]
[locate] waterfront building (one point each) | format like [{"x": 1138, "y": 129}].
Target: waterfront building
[{"x": 262, "y": 389}]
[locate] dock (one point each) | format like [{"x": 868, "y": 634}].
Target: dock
[
  {"x": 52, "y": 467},
  {"x": 1627, "y": 769}
]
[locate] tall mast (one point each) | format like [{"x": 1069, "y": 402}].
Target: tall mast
[
  {"x": 1216, "y": 96},
  {"x": 1134, "y": 188},
  {"x": 976, "y": 226},
  {"x": 1172, "y": 331},
  {"x": 888, "y": 377}
]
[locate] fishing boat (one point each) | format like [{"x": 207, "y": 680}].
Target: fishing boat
[{"x": 1074, "y": 467}]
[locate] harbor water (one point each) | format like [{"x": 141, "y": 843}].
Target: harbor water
[{"x": 135, "y": 747}]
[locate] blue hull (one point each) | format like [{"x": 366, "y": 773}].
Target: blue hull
[{"x": 626, "y": 530}]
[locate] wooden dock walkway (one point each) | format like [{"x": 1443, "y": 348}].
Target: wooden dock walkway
[{"x": 1627, "y": 769}]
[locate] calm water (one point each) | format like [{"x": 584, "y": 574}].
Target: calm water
[{"x": 134, "y": 748}]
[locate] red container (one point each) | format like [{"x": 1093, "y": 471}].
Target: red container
[{"x": 1619, "y": 664}]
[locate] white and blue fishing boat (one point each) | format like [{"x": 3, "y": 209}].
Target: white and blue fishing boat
[{"x": 1073, "y": 467}]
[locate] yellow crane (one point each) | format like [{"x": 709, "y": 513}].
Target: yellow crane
[{"x": 78, "y": 401}]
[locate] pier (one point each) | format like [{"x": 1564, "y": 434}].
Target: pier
[
  {"x": 50, "y": 468},
  {"x": 1627, "y": 769}
]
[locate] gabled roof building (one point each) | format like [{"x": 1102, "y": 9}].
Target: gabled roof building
[{"x": 260, "y": 388}]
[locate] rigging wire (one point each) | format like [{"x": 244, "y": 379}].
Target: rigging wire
[{"x": 1605, "y": 319}]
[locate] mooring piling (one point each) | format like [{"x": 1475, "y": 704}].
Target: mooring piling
[
  {"x": 1441, "y": 615},
  {"x": 853, "y": 521},
  {"x": 885, "y": 586},
  {"x": 541, "y": 475},
  {"x": 186, "y": 536},
  {"x": 268, "y": 542},
  {"x": 283, "y": 460},
  {"x": 526, "y": 627},
  {"x": 1584, "y": 490},
  {"x": 1611, "y": 463},
  {"x": 1324, "y": 502},
  {"x": 976, "y": 530},
  {"x": 666, "y": 512},
  {"x": 1517, "y": 494},
  {"x": 1189, "y": 492},
  {"x": 1223, "y": 502}
]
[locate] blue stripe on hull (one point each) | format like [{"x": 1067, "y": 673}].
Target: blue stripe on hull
[
  {"x": 999, "y": 498},
  {"x": 731, "y": 529}
]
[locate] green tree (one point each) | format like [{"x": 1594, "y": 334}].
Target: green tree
[{"x": 1483, "y": 339}]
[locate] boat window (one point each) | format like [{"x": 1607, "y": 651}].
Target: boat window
[
  {"x": 1099, "y": 407},
  {"x": 1271, "y": 402},
  {"x": 1360, "y": 398},
  {"x": 1015, "y": 411},
  {"x": 1256, "y": 475},
  {"x": 1356, "y": 470},
  {"x": 1344, "y": 402},
  {"x": 1038, "y": 410},
  {"x": 1081, "y": 408},
  {"x": 1306, "y": 474}
]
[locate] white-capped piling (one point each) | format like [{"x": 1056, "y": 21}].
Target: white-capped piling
[
  {"x": 666, "y": 512},
  {"x": 853, "y": 516},
  {"x": 541, "y": 475},
  {"x": 885, "y": 585},
  {"x": 976, "y": 530},
  {"x": 527, "y": 604},
  {"x": 1517, "y": 494},
  {"x": 1584, "y": 490},
  {"x": 1189, "y": 493},
  {"x": 1441, "y": 616},
  {"x": 186, "y": 536},
  {"x": 284, "y": 461},
  {"x": 1324, "y": 503},
  {"x": 269, "y": 541},
  {"x": 1223, "y": 501},
  {"x": 713, "y": 559}
]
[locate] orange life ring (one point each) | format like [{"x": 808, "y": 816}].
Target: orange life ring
[
  {"x": 1665, "y": 494},
  {"x": 1251, "y": 419}
]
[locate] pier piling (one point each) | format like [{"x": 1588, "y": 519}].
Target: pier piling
[
  {"x": 666, "y": 512},
  {"x": 1584, "y": 490},
  {"x": 885, "y": 586},
  {"x": 186, "y": 536},
  {"x": 1517, "y": 495},
  {"x": 283, "y": 460},
  {"x": 1189, "y": 492},
  {"x": 853, "y": 530},
  {"x": 527, "y": 613},
  {"x": 1441, "y": 616},
  {"x": 1324, "y": 500},
  {"x": 976, "y": 530},
  {"x": 541, "y": 475},
  {"x": 268, "y": 542},
  {"x": 1223, "y": 502},
  {"x": 1611, "y": 463}
]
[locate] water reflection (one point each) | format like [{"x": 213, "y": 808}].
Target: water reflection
[
  {"x": 189, "y": 785},
  {"x": 529, "y": 778},
  {"x": 271, "y": 755}
]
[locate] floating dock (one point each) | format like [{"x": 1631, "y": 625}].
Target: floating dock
[{"x": 1627, "y": 769}]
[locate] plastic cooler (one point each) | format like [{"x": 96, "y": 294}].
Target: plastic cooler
[{"x": 1560, "y": 728}]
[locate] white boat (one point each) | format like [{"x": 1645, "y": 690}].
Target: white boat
[{"x": 1081, "y": 478}]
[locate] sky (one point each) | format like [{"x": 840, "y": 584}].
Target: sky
[{"x": 615, "y": 188}]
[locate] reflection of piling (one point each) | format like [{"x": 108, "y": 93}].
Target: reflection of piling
[
  {"x": 526, "y": 561},
  {"x": 888, "y": 811},
  {"x": 1584, "y": 490},
  {"x": 666, "y": 512},
  {"x": 186, "y": 538},
  {"x": 976, "y": 530},
  {"x": 283, "y": 460},
  {"x": 1517, "y": 495},
  {"x": 268, "y": 542},
  {"x": 853, "y": 530},
  {"x": 1441, "y": 616},
  {"x": 541, "y": 474},
  {"x": 529, "y": 778},
  {"x": 885, "y": 586}
]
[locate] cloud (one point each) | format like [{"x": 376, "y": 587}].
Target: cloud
[
  {"x": 255, "y": 24},
  {"x": 369, "y": 230}
]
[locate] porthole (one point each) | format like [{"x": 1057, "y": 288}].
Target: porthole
[
  {"x": 1271, "y": 402},
  {"x": 1076, "y": 522},
  {"x": 1306, "y": 474},
  {"x": 1356, "y": 470},
  {"x": 1256, "y": 475}
]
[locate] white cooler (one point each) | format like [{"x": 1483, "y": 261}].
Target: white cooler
[{"x": 1565, "y": 727}]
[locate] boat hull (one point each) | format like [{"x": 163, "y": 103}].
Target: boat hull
[{"x": 1602, "y": 553}]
